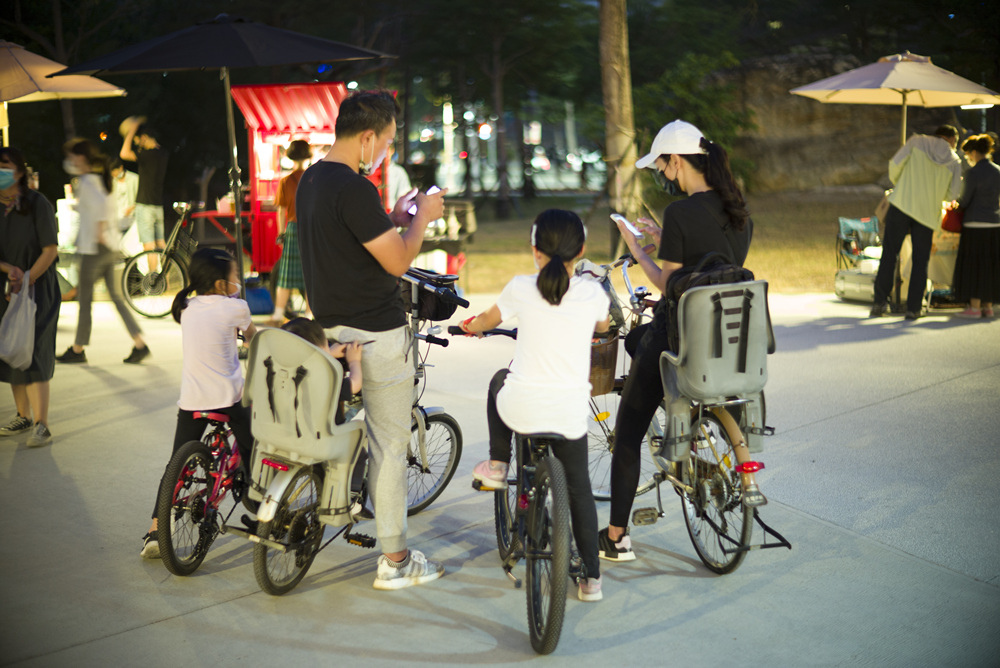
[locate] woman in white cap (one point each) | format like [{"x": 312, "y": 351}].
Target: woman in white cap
[{"x": 713, "y": 217}]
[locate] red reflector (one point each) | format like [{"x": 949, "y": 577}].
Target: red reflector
[
  {"x": 274, "y": 465},
  {"x": 749, "y": 467},
  {"x": 522, "y": 502}
]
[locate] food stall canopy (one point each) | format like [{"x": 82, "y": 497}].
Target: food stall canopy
[{"x": 290, "y": 108}]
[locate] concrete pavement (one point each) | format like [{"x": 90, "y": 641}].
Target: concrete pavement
[{"x": 883, "y": 474}]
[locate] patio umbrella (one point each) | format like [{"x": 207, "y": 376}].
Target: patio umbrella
[
  {"x": 224, "y": 43},
  {"x": 23, "y": 79},
  {"x": 905, "y": 79}
]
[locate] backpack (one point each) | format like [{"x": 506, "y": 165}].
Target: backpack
[{"x": 713, "y": 269}]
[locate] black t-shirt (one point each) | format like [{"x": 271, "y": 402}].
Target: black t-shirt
[
  {"x": 339, "y": 211},
  {"x": 696, "y": 226},
  {"x": 152, "y": 164}
]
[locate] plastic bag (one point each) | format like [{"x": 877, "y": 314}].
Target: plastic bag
[{"x": 17, "y": 329}]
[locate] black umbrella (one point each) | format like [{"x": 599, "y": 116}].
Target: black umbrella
[{"x": 223, "y": 43}]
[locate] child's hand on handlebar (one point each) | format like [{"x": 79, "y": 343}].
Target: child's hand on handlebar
[{"x": 464, "y": 326}]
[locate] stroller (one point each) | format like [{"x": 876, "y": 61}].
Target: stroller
[{"x": 859, "y": 250}]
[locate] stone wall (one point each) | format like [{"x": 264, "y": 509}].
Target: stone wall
[{"x": 800, "y": 143}]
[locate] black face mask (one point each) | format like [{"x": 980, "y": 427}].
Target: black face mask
[{"x": 672, "y": 188}]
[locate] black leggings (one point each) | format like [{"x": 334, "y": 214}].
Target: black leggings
[
  {"x": 190, "y": 429},
  {"x": 641, "y": 395},
  {"x": 573, "y": 456}
]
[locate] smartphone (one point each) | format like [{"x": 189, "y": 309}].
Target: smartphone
[
  {"x": 413, "y": 207},
  {"x": 624, "y": 221}
]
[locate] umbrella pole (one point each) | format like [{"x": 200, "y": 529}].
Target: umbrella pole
[
  {"x": 234, "y": 182},
  {"x": 902, "y": 136}
]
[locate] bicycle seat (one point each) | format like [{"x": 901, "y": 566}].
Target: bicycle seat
[
  {"x": 543, "y": 436},
  {"x": 211, "y": 415}
]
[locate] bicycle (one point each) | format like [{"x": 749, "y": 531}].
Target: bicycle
[
  {"x": 153, "y": 278},
  {"x": 198, "y": 478},
  {"x": 319, "y": 479}
]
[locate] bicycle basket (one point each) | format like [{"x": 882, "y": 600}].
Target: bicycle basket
[
  {"x": 603, "y": 363},
  {"x": 430, "y": 305},
  {"x": 186, "y": 244}
]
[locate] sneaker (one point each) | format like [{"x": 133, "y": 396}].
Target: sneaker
[
  {"x": 912, "y": 315},
  {"x": 878, "y": 310},
  {"x": 137, "y": 355},
  {"x": 590, "y": 589},
  {"x": 40, "y": 435},
  {"x": 491, "y": 478},
  {"x": 988, "y": 312},
  {"x": 970, "y": 313},
  {"x": 413, "y": 570},
  {"x": 15, "y": 426},
  {"x": 620, "y": 551},
  {"x": 72, "y": 357},
  {"x": 150, "y": 547}
]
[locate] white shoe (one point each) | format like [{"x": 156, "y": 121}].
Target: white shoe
[
  {"x": 40, "y": 435},
  {"x": 413, "y": 570}
]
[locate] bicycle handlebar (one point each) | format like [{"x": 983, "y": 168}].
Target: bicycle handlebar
[
  {"x": 435, "y": 340},
  {"x": 424, "y": 280},
  {"x": 455, "y": 330}
]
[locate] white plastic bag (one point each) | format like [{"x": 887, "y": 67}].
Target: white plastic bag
[{"x": 17, "y": 329}]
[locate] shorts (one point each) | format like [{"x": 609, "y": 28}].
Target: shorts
[{"x": 149, "y": 222}]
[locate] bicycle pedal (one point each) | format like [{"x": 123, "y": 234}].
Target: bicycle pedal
[
  {"x": 645, "y": 516},
  {"x": 480, "y": 487},
  {"x": 360, "y": 539}
]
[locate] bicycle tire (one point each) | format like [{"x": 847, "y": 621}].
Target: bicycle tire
[
  {"x": 547, "y": 555},
  {"x": 185, "y": 524},
  {"x": 151, "y": 293},
  {"x": 716, "y": 519},
  {"x": 504, "y": 514},
  {"x": 296, "y": 526},
  {"x": 443, "y": 440},
  {"x": 601, "y": 442}
]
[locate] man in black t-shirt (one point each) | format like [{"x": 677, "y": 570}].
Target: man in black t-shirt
[
  {"x": 352, "y": 258},
  {"x": 140, "y": 146}
]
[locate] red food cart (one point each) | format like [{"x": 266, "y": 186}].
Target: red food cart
[{"x": 275, "y": 115}]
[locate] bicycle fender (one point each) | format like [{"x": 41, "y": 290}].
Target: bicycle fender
[
  {"x": 272, "y": 497},
  {"x": 432, "y": 410}
]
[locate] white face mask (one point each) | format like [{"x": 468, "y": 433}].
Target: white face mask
[
  {"x": 234, "y": 295},
  {"x": 365, "y": 168},
  {"x": 70, "y": 168}
]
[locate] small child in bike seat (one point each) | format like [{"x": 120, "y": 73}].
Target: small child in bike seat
[
  {"x": 211, "y": 314},
  {"x": 349, "y": 355},
  {"x": 547, "y": 388}
]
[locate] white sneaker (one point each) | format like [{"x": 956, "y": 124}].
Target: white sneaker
[
  {"x": 16, "y": 425},
  {"x": 40, "y": 435},
  {"x": 491, "y": 476},
  {"x": 414, "y": 570},
  {"x": 150, "y": 546},
  {"x": 590, "y": 589}
]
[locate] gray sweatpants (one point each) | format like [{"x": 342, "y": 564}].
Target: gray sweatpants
[
  {"x": 92, "y": 267},
  {"x": 387, "y": 390}
]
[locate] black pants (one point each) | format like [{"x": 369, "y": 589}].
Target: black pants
[
  {"x": 572, "y": 454},
  {"x": 897, "y": 226},
  {"x": 190, "y": 429},
  {"x": 641, "y": 395}
]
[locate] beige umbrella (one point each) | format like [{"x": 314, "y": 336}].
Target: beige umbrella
[
  {"x": 23, "y": 79},
  {"x": 903, "y": 79}
]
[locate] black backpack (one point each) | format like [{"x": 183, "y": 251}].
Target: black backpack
[{"x": 713, "y": 269}]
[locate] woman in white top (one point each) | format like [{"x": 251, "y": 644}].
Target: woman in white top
[
  {"x": 211, "y": 314},
  {"x": 97, "y": 245},
  {"x": 547, "y": 387}
]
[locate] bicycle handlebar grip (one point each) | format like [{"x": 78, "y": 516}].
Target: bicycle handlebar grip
[
  {"x": 437, "y": 341},
  {"x": 449, "y": 296},
  {"x": 455, "y": 330}
]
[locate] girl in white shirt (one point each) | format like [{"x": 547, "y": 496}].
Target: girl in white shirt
[
  {"x": 97, "y": 245},
  {"x": 211, "y": 377},
  {"x": 547, "y": 387}
]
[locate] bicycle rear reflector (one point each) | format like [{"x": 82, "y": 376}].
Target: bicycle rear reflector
[
  {"x": 749, "y": 467},
  {"x": 274, "y": 464}
]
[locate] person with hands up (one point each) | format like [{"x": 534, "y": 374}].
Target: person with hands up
[{"x": 352, "y": 258}]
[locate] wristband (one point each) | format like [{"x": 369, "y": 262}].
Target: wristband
[{"x": 465, "y": 324}]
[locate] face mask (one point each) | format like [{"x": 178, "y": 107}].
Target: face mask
[
  {"x": 70, "y": 168},
  {"x": 365, "y": 168},
  {"x": 7, "y": 178},
  {"x": 672, "y": 188},
  {"x": 234, "y": 295}
]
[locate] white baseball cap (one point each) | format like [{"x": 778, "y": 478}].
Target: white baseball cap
[{"x": 677, "y": 137}]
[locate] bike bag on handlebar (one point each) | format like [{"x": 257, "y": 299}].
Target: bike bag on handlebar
[{"x": 437, "y": 298}]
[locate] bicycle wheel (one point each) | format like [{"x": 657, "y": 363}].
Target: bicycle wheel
[
  {"x": 547, "y": 555},
  {"x": 185, "y": 524},
  {"x": 150, "y": 291},
  {"x": 297, "y": 528},
  {"x": 504, "y": 512},
  {"x": 716, "y": 519},
  {"x": 601, "y": 444},
  {"x": 443, "y": 440}
]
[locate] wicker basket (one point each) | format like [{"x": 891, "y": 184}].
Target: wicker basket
[{"x": 603, "y": 364}]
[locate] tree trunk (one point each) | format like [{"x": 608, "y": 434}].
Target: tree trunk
[
  {"x": 503, "y": 185},
  {"x": 619, "y": 121}
]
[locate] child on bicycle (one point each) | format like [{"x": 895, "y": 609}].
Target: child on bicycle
[
  {"x": 349, "y": 355},
  {"x": 547, "y": 386},
  {"x": 211, "y": 314}
]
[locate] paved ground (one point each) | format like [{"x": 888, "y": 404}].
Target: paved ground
[{"x": 883, "y": 474}]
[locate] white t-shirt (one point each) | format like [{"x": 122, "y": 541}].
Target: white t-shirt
[
  {"x": 211, "y": 376},
  {"x": 549, "y": 383},
  {"x": 97, "y": 215}
]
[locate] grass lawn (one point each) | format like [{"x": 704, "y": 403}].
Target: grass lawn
[{"x": 793, "y": 246}]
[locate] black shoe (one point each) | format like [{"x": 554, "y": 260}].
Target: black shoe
[
  {"x": 137, "y": 355},
  {"x": 911, "y": 315},
  {"x": 620, "y": 551},
  {"x": 72, "y": 357},
  {"x": 878, "y": 310}
]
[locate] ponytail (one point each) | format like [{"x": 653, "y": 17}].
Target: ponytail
[
  {"x": 180, "y": 303},
  {"x": 208, "y": 265},
  {"x": 560, "y": 235},
  {"x": 720, "y": 178}
]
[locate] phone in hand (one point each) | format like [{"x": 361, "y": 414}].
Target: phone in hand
[
  {"x": 413, "y": 207},
  {"x": 618, "y": 218}
]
